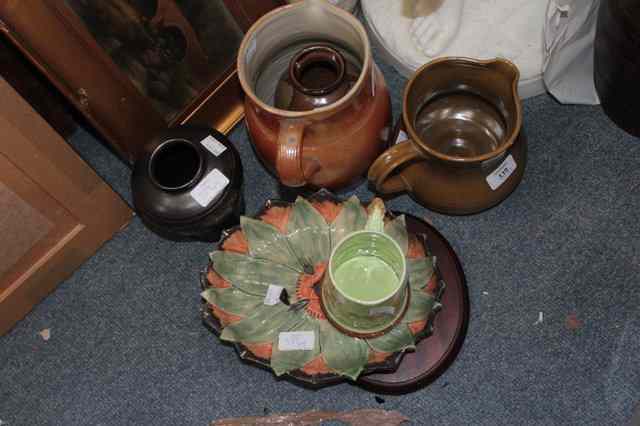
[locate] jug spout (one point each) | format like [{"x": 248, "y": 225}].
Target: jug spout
[
  {"x": 506, "y": 69},
  {"x": 505, "y": 89}
]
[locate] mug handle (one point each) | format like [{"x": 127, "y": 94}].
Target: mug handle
[
  {"x": 289, "y": 154},
  {"x": 386, "y": 163}
]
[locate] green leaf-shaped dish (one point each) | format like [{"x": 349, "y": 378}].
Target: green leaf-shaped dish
[{"x": 286, "y": 248}]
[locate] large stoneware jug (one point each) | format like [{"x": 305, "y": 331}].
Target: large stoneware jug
[
  {"x": 316, "y": 105},
  {"x": 466, "y": 150}
]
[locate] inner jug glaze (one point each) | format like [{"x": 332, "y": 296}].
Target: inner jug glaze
[{"x": 460, "y": 124}]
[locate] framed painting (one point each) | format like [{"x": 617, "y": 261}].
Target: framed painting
[{"x": 134, "y": 67}]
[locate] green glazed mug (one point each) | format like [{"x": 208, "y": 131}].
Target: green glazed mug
[{"x": 366, "y": 292}]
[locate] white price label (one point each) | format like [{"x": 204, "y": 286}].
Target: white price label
[
  {"x": 210, "y": 187},
  {"x": 213, "y": 145},
  {"x": 382, "y": 310},
  {"x": 402, "y": 136},
  {"x": 296, "y": 341},
  {"x": 273, "y": 295},
  {"x": 502, "y": 173}
]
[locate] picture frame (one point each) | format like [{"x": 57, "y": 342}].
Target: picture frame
[{"x": 135, "y": 67}]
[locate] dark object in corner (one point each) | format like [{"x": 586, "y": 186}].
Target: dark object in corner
[
  {"x": 617, "y": 60},
  {"x": 187, "y": 184},
  {"x": 36, "y": 90}
]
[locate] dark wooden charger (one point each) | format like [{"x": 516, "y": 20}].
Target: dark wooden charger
[{"x": 434, "y": 354}]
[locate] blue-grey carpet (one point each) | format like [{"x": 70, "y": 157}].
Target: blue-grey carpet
[{"x": 127, "y": 345}]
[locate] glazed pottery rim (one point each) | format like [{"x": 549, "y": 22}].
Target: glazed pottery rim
[
  {"x": 401, "y": 280},
  {"x": 372, "y": 332},
  {"x": 478, "y": 158},
  {"x": 160, "y": 148},
  {"x": 295, "y": 78},
  {"x": 249, "y": 37}
]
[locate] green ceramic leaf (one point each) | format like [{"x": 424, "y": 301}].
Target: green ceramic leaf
[
  {"x": 232, "y": 300},
  {"x": 266, "y": 242},
  {"x": 398, "y": 339},
  {"x": 285, "y": 361},
  {"x": 420, "y": 306},
  {"x": 344, "y": 354},
  {"x": 375, "y": 221},
  {"x": 308, "y": 233},
  {"x": 253, "y": 276},
  {"x": 261, "y": 325},
  {"x": 352, "y": 217},
  {"x": 420, "y": 272},
  {"x": 397, "y": 229}
]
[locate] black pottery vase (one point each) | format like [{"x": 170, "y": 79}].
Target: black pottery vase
[{"x": 187, "y": 184}]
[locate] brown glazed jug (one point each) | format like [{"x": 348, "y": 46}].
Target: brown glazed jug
[
  {"x": 316, "y": 105},
  {"x": 466, "y": 150}
]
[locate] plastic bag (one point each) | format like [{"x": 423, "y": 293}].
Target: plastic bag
[
  {"x": 569, "y": 35},
  {"x": 364, "y": 417}
]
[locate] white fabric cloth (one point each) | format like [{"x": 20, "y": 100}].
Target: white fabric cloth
[
  {"x": 569, "y": 35},
  {"x": 511, "y": 29}
]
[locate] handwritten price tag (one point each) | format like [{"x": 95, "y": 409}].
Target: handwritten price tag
[
  {"x": 502, "y": 173},
  {"x": 210, "y": 187},
  {"x": 382, "y": 310},
  {"x": 273, "y": 295},
  {"x": 296, "y": 341},
  {"x": 213, "y": 145}
]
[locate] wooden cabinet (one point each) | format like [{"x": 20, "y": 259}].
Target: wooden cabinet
[
  {"x": 135, "y": 68},
  {"x": 49, "y": 204}
]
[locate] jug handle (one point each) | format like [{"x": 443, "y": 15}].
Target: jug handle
[
  {"x": 289, "y": 154},
  {"x": 386, "y": 163}
]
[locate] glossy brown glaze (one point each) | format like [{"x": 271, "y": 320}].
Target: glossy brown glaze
[
  {"x": 330, "y": 146},
  {"x": 318, "y": 76},
  {"x": 464, "y": 122},
  {"x": 617, "y": 60}
]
